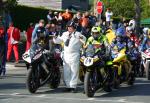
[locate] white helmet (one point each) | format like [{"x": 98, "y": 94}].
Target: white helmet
[{"x": 145, "y": 30}]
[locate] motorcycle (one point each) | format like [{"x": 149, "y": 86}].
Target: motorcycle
[
  {"x": 44, "y": 67},
  {"x": 134, "y": 57},
  {"x": 94, "y": 70},
  {"x": 122, "y": 69},
  {"x": 145, "y": 62}
]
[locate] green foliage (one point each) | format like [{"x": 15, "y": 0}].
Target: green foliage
[
  {"x": 145, "y": 9},
  {"x": 126, "y": 8},
  {"x": 123, "y": 8}
]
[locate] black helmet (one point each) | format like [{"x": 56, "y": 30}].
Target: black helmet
[{"x": 71, "y": 24}]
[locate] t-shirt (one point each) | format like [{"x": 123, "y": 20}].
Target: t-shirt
[
  {"x": 108, "y": 15},
  {"x": 67, "y": 16},
  {"x": 84, "y": 22}
]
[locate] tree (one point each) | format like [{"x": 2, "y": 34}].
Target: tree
[
  {"x": 123, "y": 8},
  {"x": 145, "y": 9},
  {"x": 126, "y": 8},
  {"x": 137, "y": 16}
]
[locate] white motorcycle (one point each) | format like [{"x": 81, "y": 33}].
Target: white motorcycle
[{"x": 146, "y": 62}]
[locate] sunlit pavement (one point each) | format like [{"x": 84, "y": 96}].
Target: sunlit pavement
[{"x": 13, "y": 90}]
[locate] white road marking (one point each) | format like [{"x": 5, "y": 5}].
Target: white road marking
[
  {"x": 90, "y": 98},
  {"x": 122, "y": 100},
  {"x": 6, "y": 99},
  {"x": 41, "y": 95},
  {"x": 63, "y": 98},
  {"x": 13, "y": 94}
]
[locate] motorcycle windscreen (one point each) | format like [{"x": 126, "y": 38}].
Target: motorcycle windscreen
[
  {"x": 92, "y": 49},
  {"x": 35, "y": 52}
]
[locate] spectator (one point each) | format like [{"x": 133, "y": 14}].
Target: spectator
[
  {"x": 2, "y": 44},
  {"x": 51, "y": 17},
  {"x": 47, "y": 28},
  {"x": 108, "y": 15},
  {"x": 13, "y": 40},
  {"x": 92, "y": 19},
  {"x": 59, "y": 17},
  {"x": 53, "y": 29},
  {"x": 59, "y": 21},
  {"x": 39, "y": 29},
  {"x": 84, "y": 24},
  {"x": 77, "y": 19},
  {"x": 29, "y": 36},
  {"x": 66, "y": 17}
]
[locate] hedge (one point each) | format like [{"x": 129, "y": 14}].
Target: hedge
[{"x": 23, "y": 15}]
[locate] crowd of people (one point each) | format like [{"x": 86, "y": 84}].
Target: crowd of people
[{"x": 77, "y": 30}]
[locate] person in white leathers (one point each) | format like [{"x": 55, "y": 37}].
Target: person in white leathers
[{"x": 73, "y": 42}]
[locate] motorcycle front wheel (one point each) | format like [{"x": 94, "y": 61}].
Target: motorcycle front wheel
[
  {"x": 89, "y": 86},
  {"x": 81, "y": 74},
  {"x": 116, "y": 79},
  {"x": 30, "y": 82}
]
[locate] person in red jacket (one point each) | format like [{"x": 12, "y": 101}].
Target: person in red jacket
[
  {"x": 29, "y": 36},
  {"x": 13, "y": 39}
]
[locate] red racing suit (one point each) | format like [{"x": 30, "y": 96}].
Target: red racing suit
[
  {"x": 29, "y": 36},
  {"x": 135, "y": 39},
  {"x": 13, "y": 39}
]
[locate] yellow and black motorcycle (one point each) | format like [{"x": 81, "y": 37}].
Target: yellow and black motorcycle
[
  {"x": 93, "y": 70},
  {"x": 122, "y": 68}
]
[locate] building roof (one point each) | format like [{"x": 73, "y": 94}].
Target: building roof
[{"x": 48, "y": 4}]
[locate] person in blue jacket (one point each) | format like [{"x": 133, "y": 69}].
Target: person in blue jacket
[{"x": 39, "y": 29}]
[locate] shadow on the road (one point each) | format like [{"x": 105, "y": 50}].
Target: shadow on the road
[
  {"x": 52, "y": 91},
  {"x": 15, "y": 76},
  {"x": 141, "y": 88},
  {"x": 12, "y": 86},
  {"x": 3, "y": 97},
  {"x": 59, "y": 90}
]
